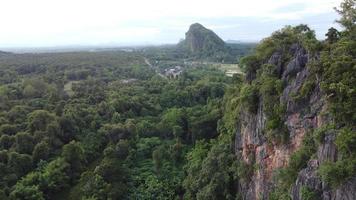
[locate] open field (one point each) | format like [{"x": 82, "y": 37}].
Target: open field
[{"x": 229, "y": 69}]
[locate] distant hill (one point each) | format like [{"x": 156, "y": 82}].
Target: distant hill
[
  {"x": 234, "y": 41},
  {"x": 3, "y": 53},
  {"x": 201, "y": 42},
  {"x": 198, "y": 39}
]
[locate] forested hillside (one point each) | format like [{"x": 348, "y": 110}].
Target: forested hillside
[
  {"x": 101, "y": 125},
  {"x": 109, "y": 125}
]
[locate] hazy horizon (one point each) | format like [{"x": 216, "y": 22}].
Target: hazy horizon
[{"x": 108, "y": 23}]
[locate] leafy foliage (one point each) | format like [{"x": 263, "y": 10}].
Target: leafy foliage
[
  {"x": 105, "y": 125},
  {"x": 337, "y": 173},
  {"x": 210, "y": 176},
  {"x": 308, "y": 194}
]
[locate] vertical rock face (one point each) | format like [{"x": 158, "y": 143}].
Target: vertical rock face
[
  {"x": 301, "y": 117},
  {"x": 308, "y": 176}
]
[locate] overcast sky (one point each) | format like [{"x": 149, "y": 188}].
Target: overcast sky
[{"x": 40, "y": 23}]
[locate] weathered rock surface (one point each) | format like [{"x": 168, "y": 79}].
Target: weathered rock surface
[
  {"x": 301, "y": 117},
  {"x": 297, "y": 64}
]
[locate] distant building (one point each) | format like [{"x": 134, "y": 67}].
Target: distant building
[{"x": 173, "y": 72}]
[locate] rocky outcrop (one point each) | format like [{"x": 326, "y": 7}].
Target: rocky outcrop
[
  {"x": 298, "y": 62},
  {"x": 202, "y": 42},
  {"x": 198, "y": 38},
  {"x": 301, "y": 117},
  {"x": 276, "y": 60},
  {"x": 308, "y": 177},
  {"x": 347, "y": 191}
]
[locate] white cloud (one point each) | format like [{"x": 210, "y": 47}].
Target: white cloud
[{"x": 55, "y": 22}]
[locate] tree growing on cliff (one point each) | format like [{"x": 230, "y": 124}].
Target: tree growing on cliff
[{"x": 348, "y": 15}]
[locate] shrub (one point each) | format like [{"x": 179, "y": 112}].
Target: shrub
[
  {"x": 27, "y": 192},
  {"x": 8, "y": 129},
  {"x": 306, "y": 90},
  {"x": 309, "y": 194},
  {"x": 300, "y": 158},
  {"x": 286, "y": 177},
  {"x": 279, "y": 194},
  {"x": 250, "y": 65},
  {"x": 337, "y": 173},
  {"x": 6, "y": 141},
  {"x": 249, "y": 98},
  {"x": 320, "y": 133},
  {"x": 276, "y": 129},
  {"x": 346, "y": 141},
  {"x": 244, "y": 171}
]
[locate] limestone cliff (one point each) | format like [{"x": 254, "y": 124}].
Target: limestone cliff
[
  {"x": 301, "y": 117},
  {"x": 201, "y": 42},
  {"x": 199, "y": 38}
]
